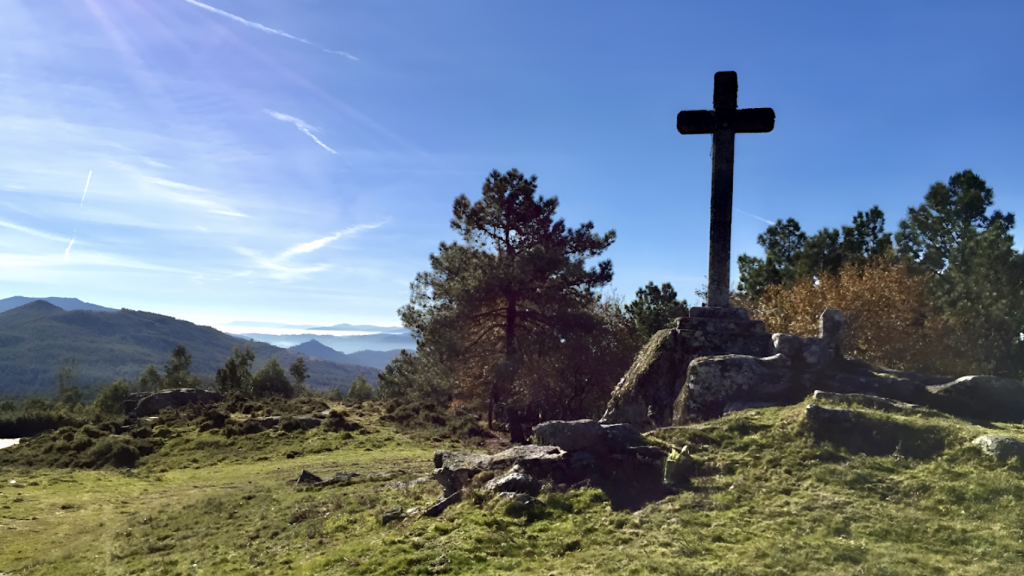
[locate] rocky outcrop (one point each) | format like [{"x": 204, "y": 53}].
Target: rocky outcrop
[
  {"x": 614, "y": 458},
  {"x": 152, "y": 404},
  {"x": 715, "y": 382},
  {"x": 644, "y": 397}
]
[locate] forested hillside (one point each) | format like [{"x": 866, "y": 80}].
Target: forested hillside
[{"x": 37, "y": 338}]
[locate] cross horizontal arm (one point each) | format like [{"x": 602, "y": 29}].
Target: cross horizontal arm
[
  {"x": 755, "y": 120},
  {"x": 696, "y": 122},
  {"x": 707, "y": 121}
]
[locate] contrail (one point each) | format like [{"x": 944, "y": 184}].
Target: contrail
[
  {"x": 87, "y": 178},
  {"x": 300, "y": 125},
  {"x": 753, "y": 216},
  {"x": 67, "y": 251},
  {"x": 265, "y": 29}
]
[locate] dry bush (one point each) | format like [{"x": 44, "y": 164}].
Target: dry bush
[{"x": 889, "y": 321}]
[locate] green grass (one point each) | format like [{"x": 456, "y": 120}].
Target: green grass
[{"x": 768, "y": 498}]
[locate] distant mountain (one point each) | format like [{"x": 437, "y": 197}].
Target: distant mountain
[
  {"x": 255, "y": 324},
  {"x": 346, "y": 344},
  {"x": 62, "y": 303},
  {"x": 375, "y": 358},
  {"x": 36, "y": 338},
  {"x": 318, "y": 350},
  {"x": 363, "y": 328}
]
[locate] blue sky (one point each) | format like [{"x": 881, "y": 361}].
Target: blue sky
[{"x": 297, "y": 161}]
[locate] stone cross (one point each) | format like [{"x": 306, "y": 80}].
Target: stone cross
[{"x": 723, "y": 122}]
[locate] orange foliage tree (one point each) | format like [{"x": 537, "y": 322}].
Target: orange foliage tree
[{"x": 889, "y": 321}]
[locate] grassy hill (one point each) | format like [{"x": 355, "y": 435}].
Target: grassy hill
[
  {"x": 37, "y": 337},
  {"x": 767, "y": 498}
]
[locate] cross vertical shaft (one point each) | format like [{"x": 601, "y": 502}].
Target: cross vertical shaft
[
  {"x": 723, "y": 146},
  {"x": 723, "y": 123}
]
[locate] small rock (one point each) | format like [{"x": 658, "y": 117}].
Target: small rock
[
  {"x": 819, "y": 416},
  {"x": 391, "y": 515},
  {"x": 787, "y": 344},
  {"x": 832, "y": 331},
  {"x": 815, "y": 352},
  {"x": 306, "y": 477},
  {"x": 1000, "y": 447},
  {"x": 442, "y": 504},
  {"x": 518, "y": 497},
  {"x": 679, "y": 467},
  {"x": 515, "y": 483}
]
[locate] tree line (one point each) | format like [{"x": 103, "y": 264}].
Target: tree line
[
  {"x": 943, "y": 295},
  {"x": 510, "y": 317}
]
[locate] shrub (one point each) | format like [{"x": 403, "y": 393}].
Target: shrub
[
  {"x": 889, "y": 321},
  {"x": 270, "y": 380},
  {"x": 429, "y": 417},
  {"x": 114, "y": 451},
  {"x": 112, "y": 398},
  {"x": 336, "y": 422},
  {"x": 360, "y": 390}
]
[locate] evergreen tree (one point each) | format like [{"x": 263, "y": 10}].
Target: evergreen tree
[
  {"x": 299, "y": 371},
  {"x": 360, "y": 390},
  {"x": 270, "y": 380},
  {"x": 68, "y": 392},
  {"x": 236, "y": 375},
  {"x": 112, "y": 398},
  {"x": 977, "y": 276},
  {"x": 420, "y": 375},
  {"x": 951, "y": 213},
  {"x": 782, "y": 243},
  {"x": 654, "y": 309},
  {"x": 790, "y": 255},
  {"x": 150, "y": 379},
  {"x": 519, "y": 276},
  {"x": 177, "y": 372}
]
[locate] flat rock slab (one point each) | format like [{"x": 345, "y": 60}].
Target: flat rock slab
[
  {"x": 866, "y": 400},
  {"x": 984, "y": 397},
  {"x": 1001, "y": 448},
  {"x": 453, "y": 470},
  {"x": 152, "y": 405},
  {"x": 859, "y": 432},
  {"x": 596, "y": 438}
]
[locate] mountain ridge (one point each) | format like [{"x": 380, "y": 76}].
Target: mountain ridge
[
  {"x": 375, "y": 358},
  {"x": 66, "y": 304},
  {"x": 35, "y": 341}
]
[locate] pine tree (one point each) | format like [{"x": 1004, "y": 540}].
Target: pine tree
[{"x": 518, "y": 277}]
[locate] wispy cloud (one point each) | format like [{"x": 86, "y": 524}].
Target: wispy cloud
[
  {"x": 278, "y": 265},
  {"x": 191, "y": 199},
  {"x": 32, "y": 231},
  {"x": 263, "y": 28},
  {"x": 755, "y": 216},
  {"x": 301, "y": 126},
  {"x": 67, "y": 251},
  {"x": 87, "y": 179}
]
